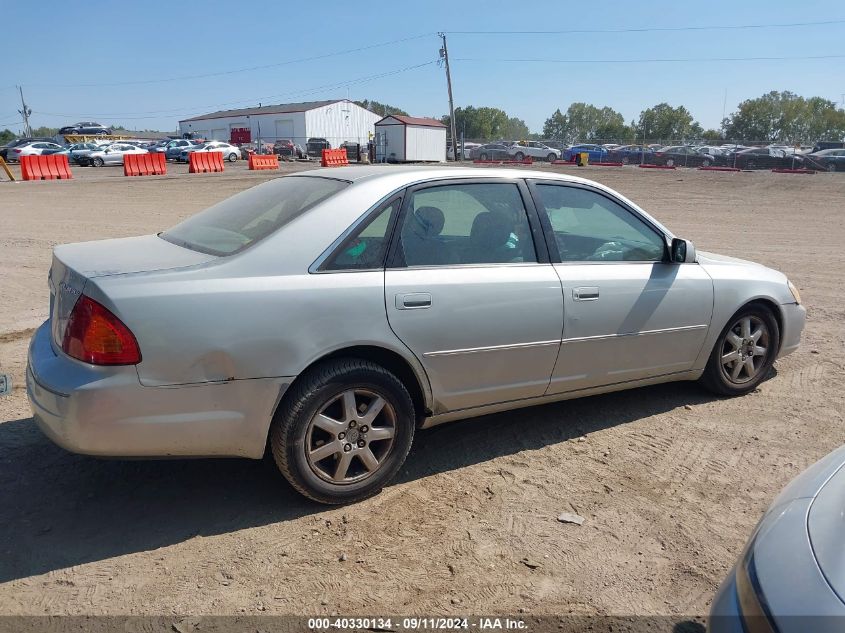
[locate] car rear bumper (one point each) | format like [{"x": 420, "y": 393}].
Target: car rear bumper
[
  {"x": 106, "y": 411},
  {"x": 794, "y": 317}
]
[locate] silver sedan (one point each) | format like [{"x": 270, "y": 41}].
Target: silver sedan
[
  {"x": 332, "y": 313},
  {"x": 110, "y": 155}
]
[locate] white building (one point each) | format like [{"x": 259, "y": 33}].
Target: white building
[
  {"x": 407, "y": 138},
  {"x": 336, "y": 121}
]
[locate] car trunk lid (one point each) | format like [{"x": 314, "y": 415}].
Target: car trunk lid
[{"x": 74, "y": 264}]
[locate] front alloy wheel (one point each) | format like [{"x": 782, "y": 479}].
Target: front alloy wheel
[{"x": 744, "y": 353}]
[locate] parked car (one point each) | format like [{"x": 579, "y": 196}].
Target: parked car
[
  {"x": 629, "y": 154},
  {"x": 85, "y": 128},
  {"x": 314, "y": 147},
  {"x": 822, "y": 145},
  {"x": 684, "y": 156},
  {"x": 596, "y": 153},
  {"x": 174, "y": 148},
  {"x": 76, "y": 150},
  {"x": 491, "y": 151},
  {"x": 230, "y": 152},
  {"x": 4, "y": 150},
  {"x": 534, "y": 149},
  {"x": 110, "y": 155},
  {"x": 194, "y": 335},
  {"x": 789, "y": 578},
  {"x": 286, "y": 147},
  {"x": 157, "y": 147},
  {"x": 829, "y": 159},
  {"x": 763, "y": 158},
  {"x": 33, "y": 148}
]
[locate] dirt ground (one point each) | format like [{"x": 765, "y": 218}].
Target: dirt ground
[{"x": 670, "y": 479}]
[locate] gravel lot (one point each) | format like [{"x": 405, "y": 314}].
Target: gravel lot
[{"x": 670, "y": 480}]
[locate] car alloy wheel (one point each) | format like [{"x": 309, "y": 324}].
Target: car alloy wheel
[
  {"x": 551, "y": 158},
  {"x": 350, "y": 437},
  {"x": 744, "y": 352},
  {"x": 519, "y": 156},
  {"x": 831, "y": 167},
  {"x": 483, "y": 157},
  {"x": 233, "y": 157},
  {"x": 98, "y": 162},
  {"x": 625, "y": 160},
  {"x": 670, "y": 162},
  {"x": 744, "y": 349},
  {"x": 705, "y": 162},
  {"x": 343, "y": 430}
]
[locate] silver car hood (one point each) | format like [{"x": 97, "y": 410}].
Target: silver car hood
[
  {"x": 703, "y": 257},
  {"x": 127, "y": 255}
]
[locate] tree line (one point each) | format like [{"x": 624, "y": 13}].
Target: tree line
[{"x": 775, "y": 117}]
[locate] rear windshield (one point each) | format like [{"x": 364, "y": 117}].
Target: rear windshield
[{"x": 236, "y": 223}]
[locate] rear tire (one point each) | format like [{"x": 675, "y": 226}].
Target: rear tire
[
  {"x": 744, "y": 352},
  {"x": 551, "y": 158},
  {"x": 337, "y": 448},
  {"x": 233, "y": 157},
  {"x": 519, "y": 156},
  {"x": 482, "y": 157},
  {"x": 98, "y": 162}
]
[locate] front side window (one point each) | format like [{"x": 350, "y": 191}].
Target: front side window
[
  {"x": 588, "y": 226},
  {"x": 466, "y": 224},
  {"x": 238, "y": 222}
]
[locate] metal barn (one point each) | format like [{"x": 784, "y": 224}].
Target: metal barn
[
  {"x": 336, "y": 121},
  {"x": 403, "y": 139}
]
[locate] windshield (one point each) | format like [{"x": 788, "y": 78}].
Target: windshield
[{"x": 238, "y": 222}]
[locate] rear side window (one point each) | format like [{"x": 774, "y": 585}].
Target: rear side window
[
  {"x": 236, "y": 223},
  {"x": 366, "y": 249}
]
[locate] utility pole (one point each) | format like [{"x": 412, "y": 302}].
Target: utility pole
[
  {"x": 25, "y": 112},
  {"x": 444, "y": 54}
]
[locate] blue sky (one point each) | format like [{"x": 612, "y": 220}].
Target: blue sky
[{"x": 70, "y": 76}]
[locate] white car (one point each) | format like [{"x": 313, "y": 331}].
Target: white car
[
  {"x": 230, "y": 152},
  {"x": 111, "y": 155},
  {"x": 35, "y": 148},
  {"x": 534, "y": 149}
]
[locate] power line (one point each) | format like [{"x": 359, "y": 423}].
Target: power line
[
  {"x": 648, "y": 61},
  {"x": 155, "y": 114},
  {"x": 234, "y": 71},
  {"x": 653, "y": 29}
]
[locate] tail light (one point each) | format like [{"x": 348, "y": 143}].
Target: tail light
[
  {"x": 95, "y": 335},
  {"x": 16, "y": 151}
]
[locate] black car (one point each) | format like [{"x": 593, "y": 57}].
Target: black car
[
  {"x": 764, "y": 158},
  {"x": 314, "y": 147},
  {"x": 827, "y": 159},
  {"x": 491, "y": 151},
  {"x": 21, "y": 141},
  {"x": 823, "y": 145},
  {"x": 682, "y": 156},
  {"x": 87, "y": 128}
]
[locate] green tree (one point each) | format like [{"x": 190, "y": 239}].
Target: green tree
[
  {"x": 711, "y": 136},
  {"x": 585, "y": 122},
  {"x": 555, "y": 126},
  {"x": 6, "y": 136},
  {"x": 45, "y": 131},
  {"x": 380, "y": 108},
  {"x": 516, "y": 129},
  {"x": 663, "y": 122},
  {"x": 485, "y": 123},
  {"x": 786, "y": 117}
]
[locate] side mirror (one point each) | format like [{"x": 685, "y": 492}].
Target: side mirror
[{"x": 683, "y": 251}]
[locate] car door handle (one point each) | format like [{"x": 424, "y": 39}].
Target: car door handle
[
  {"x": 585, "y": 293},
  {"x": 413, "y": 301}
]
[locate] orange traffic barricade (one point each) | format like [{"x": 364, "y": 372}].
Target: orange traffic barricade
[
  {"x": 263, "y": 161},
  {"x": 151, "y": 164},
  {"x": 50, "y": 167},
  {"x": 204, "y": 162},
  {"x": 334, "y": 158}
]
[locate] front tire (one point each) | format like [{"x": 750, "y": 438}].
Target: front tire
[
  {"x": 519, "y": 156},
  {"x": 551, "y": 157},
  {"x": 343, "y": 431},
  {"x": 98, "y": 162},
  {"x": 744, "y": 352},
  {"x": 233, "y": 157}
]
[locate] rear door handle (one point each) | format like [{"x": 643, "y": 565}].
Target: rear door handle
[
  {"x": 413, "y": 301},
  {"x": 585, "y": 293}
]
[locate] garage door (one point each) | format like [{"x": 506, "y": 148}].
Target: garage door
[
  {"x": 220, "y": 134},
  {"x": 284, "y": 129}
]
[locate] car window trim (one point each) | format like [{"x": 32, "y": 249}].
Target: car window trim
[
  {"x": 540, "y": 249},
  {"x": 549, "y": 234}
]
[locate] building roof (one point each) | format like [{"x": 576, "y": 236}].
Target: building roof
[
  {"x": 281, "y": 108},
  {"x": 413, "y": 120}
]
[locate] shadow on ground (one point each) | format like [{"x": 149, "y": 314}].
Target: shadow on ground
[{"x": 60, "y": 509}]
